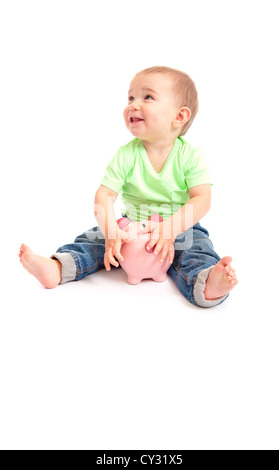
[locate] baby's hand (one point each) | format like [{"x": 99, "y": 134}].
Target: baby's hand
[
  {"x": 113, "y": 246},
  {"x": 160, "y": 239}
]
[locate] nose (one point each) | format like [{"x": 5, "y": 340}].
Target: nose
[{"x": 134, "y": 105}]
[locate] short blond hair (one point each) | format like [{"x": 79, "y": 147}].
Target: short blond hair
[{"x": 184, "y": 90}]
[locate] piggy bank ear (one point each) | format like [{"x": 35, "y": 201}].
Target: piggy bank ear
[
  {"x": 123, "y": 222},
  {"x": 156, "y": 218}
]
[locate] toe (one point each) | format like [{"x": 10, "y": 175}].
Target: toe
[
  {"x": 226, "y": 260},
  {"x": 25, "y": 249}
]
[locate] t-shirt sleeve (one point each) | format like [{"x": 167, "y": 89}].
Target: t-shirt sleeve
[
  {"x": 116, "y": 172},
  {"x": 196, "y": 171}
]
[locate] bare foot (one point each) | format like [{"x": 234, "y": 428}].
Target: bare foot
[
  {"x": 221, "y": 279},
  {"x": 46, "y": 270}
]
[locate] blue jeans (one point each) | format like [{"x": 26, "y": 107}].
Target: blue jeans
[{"x": 189, "y": 270}]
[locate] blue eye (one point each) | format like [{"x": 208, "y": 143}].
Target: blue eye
[
  {"x": 130, "y": 98},
  {"x": 148, "y": 96}
]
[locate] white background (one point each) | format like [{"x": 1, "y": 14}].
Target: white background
[{"x": 100, "y": 364}]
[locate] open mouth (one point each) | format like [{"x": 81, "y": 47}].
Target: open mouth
[{"x": 134, "y": 119}]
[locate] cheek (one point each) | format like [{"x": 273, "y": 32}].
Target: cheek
[
  {"x": 153, "y": 119},
  {"x": 125, "y": 114}
]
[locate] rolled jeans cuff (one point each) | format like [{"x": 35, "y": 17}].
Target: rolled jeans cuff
[
  {"x": 69, "y": 269},
  {"x": 199, "y": 290}
]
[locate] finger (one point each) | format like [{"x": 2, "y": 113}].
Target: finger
[
  {"x": 110, "y": 258},
  {"x": 171, "y": 253},
  {"x": 106, "y": 263},
  {"x": 151, "y": 244},
  {"x": 118, "y": 255},
  {"x": 164, "y": 253},
  {"x": 113, "y": 261},
  {"x": 116, "y": 247},
  {"x": 158, "y": 248}
]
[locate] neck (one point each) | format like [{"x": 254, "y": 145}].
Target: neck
[{"x": 159, "y": 147}]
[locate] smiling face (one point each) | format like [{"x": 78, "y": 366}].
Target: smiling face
[{"x": 151, "y": 107}]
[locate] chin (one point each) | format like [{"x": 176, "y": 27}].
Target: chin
[{"x": 135, "y": 132}]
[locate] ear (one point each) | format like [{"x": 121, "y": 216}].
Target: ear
[{"x": 183, "y": 115}]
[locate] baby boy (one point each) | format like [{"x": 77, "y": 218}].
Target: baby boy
[{"x": 156, "y": 172}]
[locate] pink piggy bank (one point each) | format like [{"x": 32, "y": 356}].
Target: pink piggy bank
[{"x": 139, "y": 263}]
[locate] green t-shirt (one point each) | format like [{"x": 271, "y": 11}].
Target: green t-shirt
[{"x": 144, "y": 191}]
